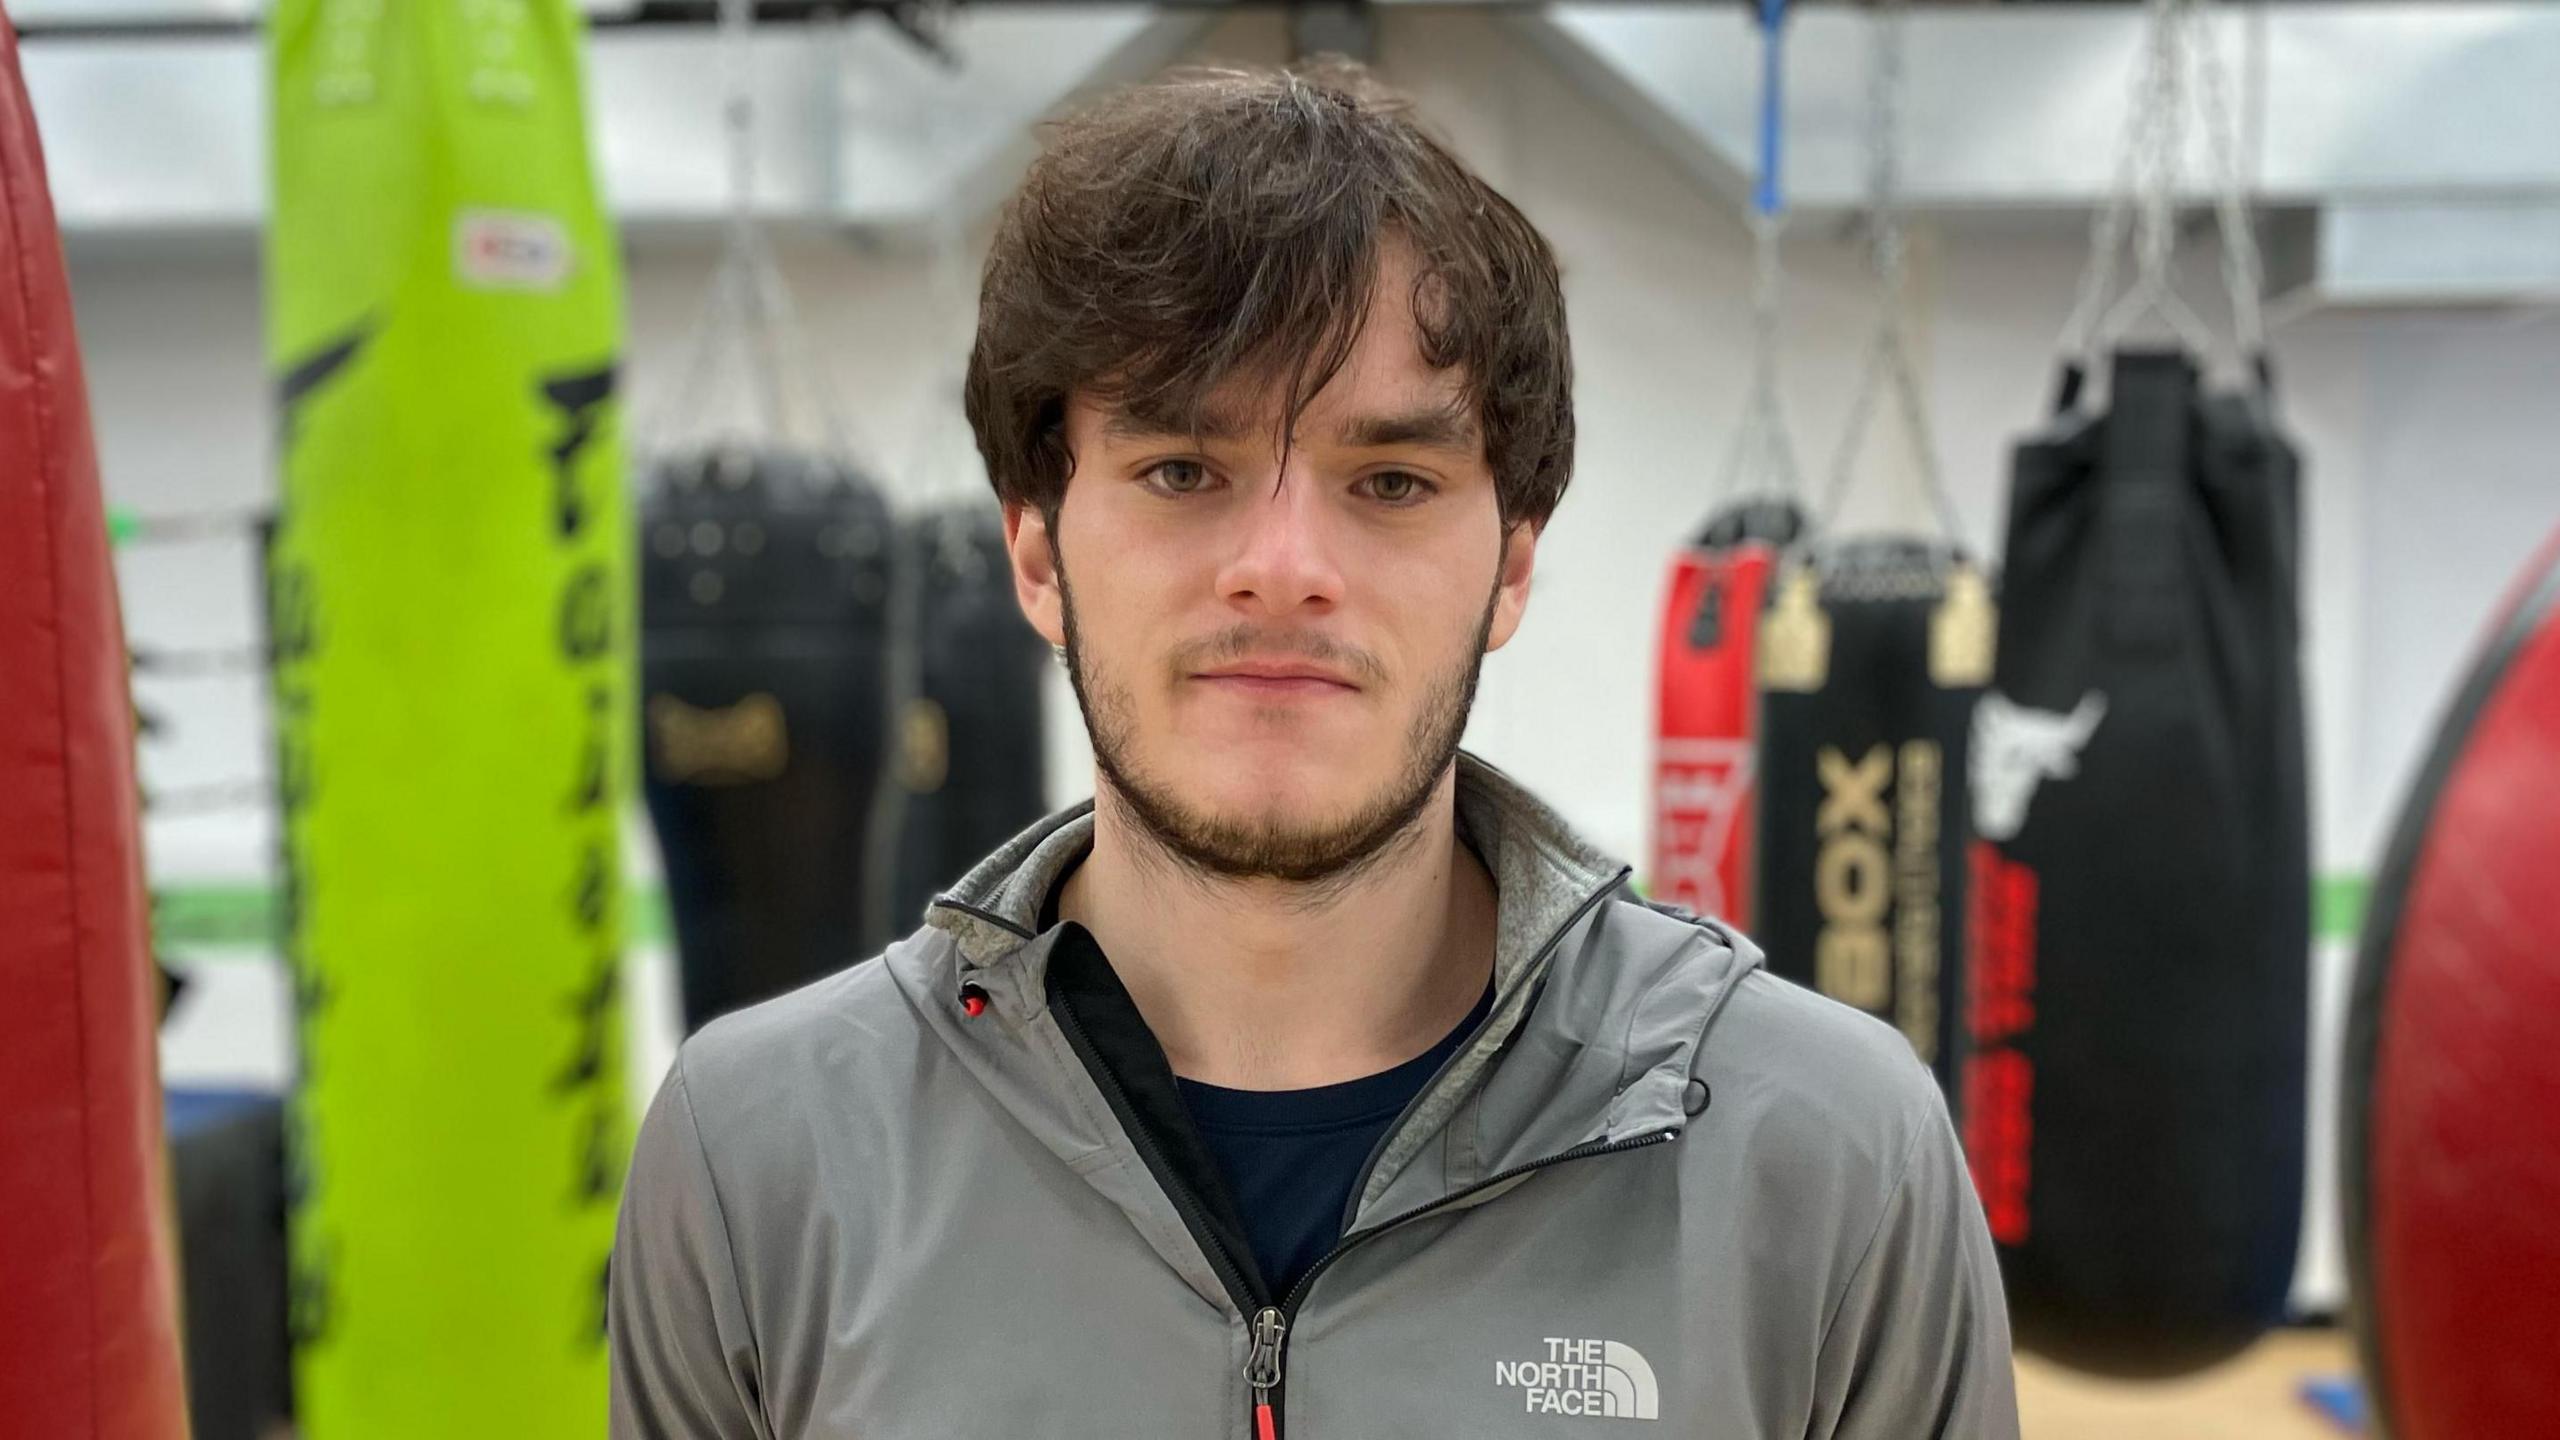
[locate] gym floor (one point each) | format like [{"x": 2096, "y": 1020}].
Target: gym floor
[{"x": 2256, "y": 1397}]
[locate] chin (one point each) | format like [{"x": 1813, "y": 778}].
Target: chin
[{"x": 1259, "y": 782}]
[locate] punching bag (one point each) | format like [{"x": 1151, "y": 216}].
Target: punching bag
[
  {"x": 88, "y": 1323},
  {"x": 450, "y": 613},
  {"x": 764, "y": 595},
  {"x": 1872, "y": 655},
  {"x": 969, "y": 744},
  {"x": 2452, "y": 1081},
  {"x": 1706, "y": 709},
  {"x": 2134, "y": 1102}
]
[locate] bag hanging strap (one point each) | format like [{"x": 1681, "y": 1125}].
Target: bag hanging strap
[
  {"x": 2142, "y": 502},
  {"x": 1888, "y": 363}
]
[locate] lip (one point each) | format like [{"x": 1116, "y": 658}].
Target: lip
[
  {"x": 1277, "y": 679},
  {"x": 1276, "y": 687}
]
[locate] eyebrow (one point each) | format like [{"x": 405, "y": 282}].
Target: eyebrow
[
  {"x": 1442, "y": 427},
  {"x": 1437, "y": 427}
]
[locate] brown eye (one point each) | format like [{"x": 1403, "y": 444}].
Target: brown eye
[
  {"x": 1179, "y": 477},
  {"x": 1399, "y": 487}
]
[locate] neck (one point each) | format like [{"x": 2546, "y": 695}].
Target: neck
[{"x": 1272, "y": 985}]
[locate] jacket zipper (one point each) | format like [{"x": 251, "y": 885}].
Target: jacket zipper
[
  {"x": 1263, "y": 1363},
  {"x": 1247, "y": 1296},
  {"x": 1271, "y": 1323}
]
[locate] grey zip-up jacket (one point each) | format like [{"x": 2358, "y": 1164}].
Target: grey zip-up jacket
[{"x": 1658, "y": 1186}]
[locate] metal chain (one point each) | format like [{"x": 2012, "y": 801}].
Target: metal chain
[
  {"x": 2161, "y": 159},
  {"x": 747, "y": 312},
  {"x": 2148, "y": 165},
  {"x": 2136, "y": 145},
  {"x": 2243, "y": 273},
  {"x": 1888, "y": 41},
  {"x": 1888, "y": 360},
  {"x": 1762, "y": 459}
]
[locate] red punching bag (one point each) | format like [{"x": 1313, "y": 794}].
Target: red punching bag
[
  {"x": 2452, "y": 1087},
  {"x": 88, "y": 1330},
  {"x": 1706, "y": 711}
]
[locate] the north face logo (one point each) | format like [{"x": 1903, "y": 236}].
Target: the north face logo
[{"x": 1585, "y": 1377}]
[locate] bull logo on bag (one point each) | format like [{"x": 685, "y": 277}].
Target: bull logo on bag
[{"x": 2016, "y": 749}]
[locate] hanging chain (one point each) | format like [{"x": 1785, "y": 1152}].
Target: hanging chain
[
  {"x": 1887, "y": 44},
  {"x": 747, "y": 316},
  {"x": 1888, "y": 360},
  {"x": 2178, "y": 35},
  {"x": 2242, "y": 271},
  {"x": 1762, "y": 460},
  {"x": 2162, "y": 157},
  {"x": 2136, "y": 162}
]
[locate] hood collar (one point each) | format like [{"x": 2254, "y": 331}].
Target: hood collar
[{"x": 1542, "y": 871}]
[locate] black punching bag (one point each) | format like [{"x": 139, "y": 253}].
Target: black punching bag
[
  {"x": 2134, "y": 1100},
  {"x": 969, "y": 759},
  {"x": 1871, "y": 655},
  {"x": 763, "y": 603},
  {"x": 2451, "y": 1092}
]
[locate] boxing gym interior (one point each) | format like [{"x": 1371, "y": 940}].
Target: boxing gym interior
[{"x": 2063, "y": 552}]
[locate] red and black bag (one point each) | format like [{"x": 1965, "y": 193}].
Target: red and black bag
[{"x": 1706, "y": 710}]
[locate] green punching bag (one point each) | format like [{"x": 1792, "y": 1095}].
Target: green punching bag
[{"x": 450, "y": 604}]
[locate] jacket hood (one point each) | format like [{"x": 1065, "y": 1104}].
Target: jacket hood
[{"x": 1601, "y": 1000}]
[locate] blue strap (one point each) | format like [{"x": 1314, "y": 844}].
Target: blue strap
[{"x": 1773, "y": 75}]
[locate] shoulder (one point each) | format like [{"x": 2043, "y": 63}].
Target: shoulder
[
  {"x": 1801, "y": 1075},
  {"x": 756, "y": 1079},
  {"x": 1821, "y": 1091},
  {"x": 761, "y": 1046}
]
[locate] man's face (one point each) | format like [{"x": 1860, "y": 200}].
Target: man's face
[{"x": 1275, "y": 652}]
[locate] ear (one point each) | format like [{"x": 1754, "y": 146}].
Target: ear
[
  {"x": 1035, "y": 572},
  {"x": 1511, "y": 595}
]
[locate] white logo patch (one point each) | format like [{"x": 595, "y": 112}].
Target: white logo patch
[
  {"x": 510, "y": 250},
  {"x": 1699, "y": 787},
  {"x": 2015, "y": 749},
  {"x": 1599, "y": 1378}
]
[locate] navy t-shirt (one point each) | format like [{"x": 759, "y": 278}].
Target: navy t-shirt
[{"x": 1290, "y": 1157}]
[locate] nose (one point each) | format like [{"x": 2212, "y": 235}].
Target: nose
[{"x": 1282, "y": 558}]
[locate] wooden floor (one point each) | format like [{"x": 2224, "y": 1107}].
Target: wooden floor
[{"x": 2253, "y": 1398}]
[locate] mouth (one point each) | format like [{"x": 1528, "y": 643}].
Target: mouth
[{"x": 1277, "y": 680}]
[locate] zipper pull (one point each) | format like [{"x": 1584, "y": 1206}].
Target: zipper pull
[{"x": 1262, "y": 1369}]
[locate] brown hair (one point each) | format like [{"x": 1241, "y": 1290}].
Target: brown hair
[{"x": 1216, "y": 222}]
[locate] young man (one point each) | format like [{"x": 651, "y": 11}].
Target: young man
[{"x": 1315, "y": 1080}]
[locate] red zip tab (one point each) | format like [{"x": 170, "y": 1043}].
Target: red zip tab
[{"x": 1262, "y": 1370}]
